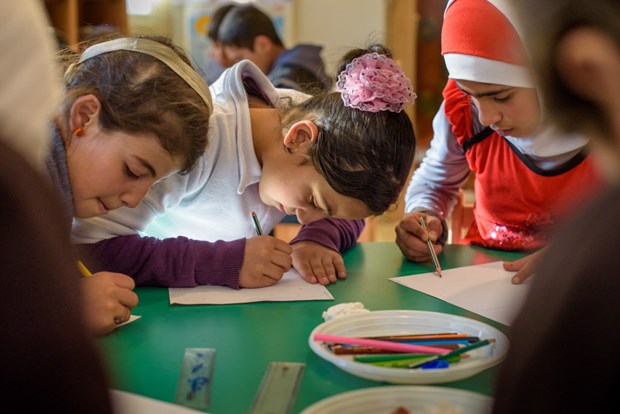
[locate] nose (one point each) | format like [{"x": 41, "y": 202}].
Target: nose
[
  {"x": 132, "y": 197},
  {"x": 488, "y": 113},
  {"x": 305, "y": 216}
]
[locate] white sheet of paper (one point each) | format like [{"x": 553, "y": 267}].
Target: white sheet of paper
[
  {"x": 290, "y": 288},
  {"x": 130, "y": 320},
  {"x": 128, "y": 403},
  {"x": 485, "y": 289}
]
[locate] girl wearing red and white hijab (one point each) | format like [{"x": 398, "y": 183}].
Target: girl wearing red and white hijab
[{"x": 527, "y": 176}]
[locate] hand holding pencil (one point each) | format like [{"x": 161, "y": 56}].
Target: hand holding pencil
[
  {"x": 108, "y": 299},
  {"x": 265, "y": 258},
  {"x": 413, "y": 237}
]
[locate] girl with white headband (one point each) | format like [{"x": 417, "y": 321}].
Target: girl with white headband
[
  {"x": 344, "y": 154},
  {"x": 527, "y": 176},
  {"x": 134, "y": 112}
]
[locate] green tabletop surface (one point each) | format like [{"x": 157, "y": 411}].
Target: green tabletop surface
[{"x": 145, "y": 357}]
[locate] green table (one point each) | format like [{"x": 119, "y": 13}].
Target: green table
[{"x": 145, "y": 357}]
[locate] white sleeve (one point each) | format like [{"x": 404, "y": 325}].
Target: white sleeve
[{"x": 436, "y": 182}]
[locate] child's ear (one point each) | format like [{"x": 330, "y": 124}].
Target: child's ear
[
  {"x": 84, "y": 112},
  {"x": 262, "y": 44},
  {"x": 300, "y": 135}
]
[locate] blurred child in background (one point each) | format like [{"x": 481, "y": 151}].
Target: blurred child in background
[{"x": 246, "y": 32}]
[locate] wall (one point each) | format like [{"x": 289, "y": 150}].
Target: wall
[{"x": 338, "y": 25}]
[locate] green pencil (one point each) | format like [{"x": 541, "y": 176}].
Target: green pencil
[
  {"x": 456, "y": 352},
  {"x": 406, "y": 363},
  {"x": 257, "y": 227},
  {"x": 389, "y": 357}
]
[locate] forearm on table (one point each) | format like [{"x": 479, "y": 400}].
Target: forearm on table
[
  {"x": 172, "y": 262},
  {"x": 336, "y": 234}
]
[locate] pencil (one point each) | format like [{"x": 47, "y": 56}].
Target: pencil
[
  {"x": 344, "y": 349},
  {"x": 429, "y": 244},
  {"x": 426, "y": 337},
  {"x": 392, "y": 346},
  {"x": 83, "y": 269},
  {"x": 257, "y": 227},
  {"x": 455, "y": 352}
]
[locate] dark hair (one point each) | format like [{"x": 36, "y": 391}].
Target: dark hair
[
  {"x": 243, "y": 24},
  {"x": 364, "y": 155},
  {"x": 140, "y": 94},
  {"x": 545, "y": 24},
  {"x": 216, "y": 21}
]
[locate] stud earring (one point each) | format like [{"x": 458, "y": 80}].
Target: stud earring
[{"x": 78, "y": 132}]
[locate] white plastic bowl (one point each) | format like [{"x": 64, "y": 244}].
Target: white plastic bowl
[
  {"x": 415, "y": 399},
  {"x": 400, "y": 322}
]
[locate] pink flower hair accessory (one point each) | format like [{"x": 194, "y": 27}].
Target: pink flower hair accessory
[{"x": 374, "y": 83}]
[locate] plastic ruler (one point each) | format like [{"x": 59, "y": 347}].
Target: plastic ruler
[
  {"x": 194, "y": 386},
  {"x": 278, "y": 389}
]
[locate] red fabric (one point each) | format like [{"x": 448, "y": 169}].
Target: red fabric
[
  {"x": 478, "y": 28},
  {"x": 515, "y": 207}
]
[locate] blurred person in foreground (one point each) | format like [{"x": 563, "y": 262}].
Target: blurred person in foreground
[
  {"x": 575, "y": 50},
  {"x": 48, "y": 358}
]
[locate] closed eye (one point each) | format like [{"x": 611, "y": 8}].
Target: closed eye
[
  {"x": 326, "y": 210},
  {"x": 503, "y": 98},
  {"x": 312, "y": 201},
  {"x": 130, "y": 173}
]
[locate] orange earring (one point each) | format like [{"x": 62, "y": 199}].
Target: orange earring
[{"x": 78, "y": 132}]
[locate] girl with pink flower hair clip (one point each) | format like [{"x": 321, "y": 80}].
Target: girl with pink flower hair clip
[{"x": 331, "y": 159}]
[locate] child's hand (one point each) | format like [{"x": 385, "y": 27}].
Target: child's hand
[
  {"x": 265, "y": 261},
  {"x": 317, "y": 263},
  {"x": 411, "y": 237},
  {"x": 108, "y": 300},
  {"x": 525, "y": 267}
]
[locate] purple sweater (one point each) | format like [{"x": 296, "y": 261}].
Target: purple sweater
[{"x": 183, "y": 262}]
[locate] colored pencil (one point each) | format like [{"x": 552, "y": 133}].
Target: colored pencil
[
  {"x": 429, "y": 244},
  {"x": 392, "y": 346},
  {"x": 343, "y": 349},
  {"x": 425, "y": 337},
  {"x": 83, "y": 269},
  {"x": 257, "y": 227},
  {"x": 454, "y": 353}
]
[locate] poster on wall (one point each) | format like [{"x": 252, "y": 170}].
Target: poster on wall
[{"x": 195, "y": 17}]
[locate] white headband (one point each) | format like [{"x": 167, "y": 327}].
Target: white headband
[{"x": 160, "y": 52}]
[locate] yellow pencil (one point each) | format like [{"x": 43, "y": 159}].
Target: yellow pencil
[{"x": 83, "y": 269}]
